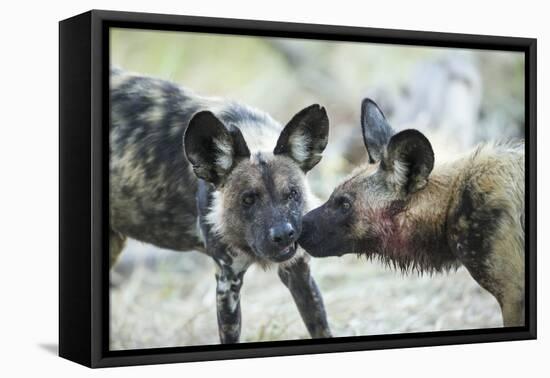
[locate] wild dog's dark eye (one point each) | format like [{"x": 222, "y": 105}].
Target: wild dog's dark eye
[
  {"x": 344, "y": 204},
  {"x": 249, "y": 199},
  {"x": 293, "y": 195}
]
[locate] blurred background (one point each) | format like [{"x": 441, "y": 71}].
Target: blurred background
[{"x": 458, "y": 98}]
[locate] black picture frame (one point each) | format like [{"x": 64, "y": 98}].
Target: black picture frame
[{"x": 83, "y": 180}]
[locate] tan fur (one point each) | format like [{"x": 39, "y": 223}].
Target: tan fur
[
  {"x": 498, "y": 172},
  {"x": 495, "y": 172}
]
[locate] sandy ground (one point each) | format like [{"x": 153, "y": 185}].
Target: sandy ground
[{"x": 163, "y": 298}]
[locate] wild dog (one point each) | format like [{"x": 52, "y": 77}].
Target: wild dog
[
  {"x": 195, "y": 173},
  {"x": 400, "y": 209}
]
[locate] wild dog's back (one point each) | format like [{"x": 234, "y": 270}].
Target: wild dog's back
[
  {"x": 495, "y": 173},
  {"x": 152, "y": 188}
]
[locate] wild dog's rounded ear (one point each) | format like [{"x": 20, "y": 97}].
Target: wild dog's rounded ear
[
  {"x": 408, "y": 161},
  {"x": 211, "y": 148},
  {"x": 376, "y": 130},
  {"x": 305, "y": 137}
]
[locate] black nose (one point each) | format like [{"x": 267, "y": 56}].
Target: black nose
[{"x": 282, "y": 234}]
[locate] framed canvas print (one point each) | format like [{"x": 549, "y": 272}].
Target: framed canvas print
[{"x": 235, "y": 188}]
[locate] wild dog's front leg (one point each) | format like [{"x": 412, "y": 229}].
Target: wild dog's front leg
[
  {"x": 501, "y": 272},
  {"x": 229, "y": 279},
  {"x": 296, "y": 275},
  {"x": 229, "y": 304},
  {"x": 513, "y": 312}
]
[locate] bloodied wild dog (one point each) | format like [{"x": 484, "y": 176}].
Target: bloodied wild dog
[
  {"x": 195, "y": 173},
  {"x": 468, "y": 212}
]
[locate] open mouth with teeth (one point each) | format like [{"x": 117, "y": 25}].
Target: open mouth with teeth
[{"x": 285, "y": 253}]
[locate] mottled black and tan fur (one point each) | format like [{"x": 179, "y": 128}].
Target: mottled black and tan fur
[
  {"x": 412, "y": 216},
  {"x": 195, "y": 173}
]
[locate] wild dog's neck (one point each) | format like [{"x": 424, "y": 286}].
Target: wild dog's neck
[{"x": 417, "y": 239}]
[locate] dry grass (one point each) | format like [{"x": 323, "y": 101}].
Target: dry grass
[{"x": 167, "y": 299}]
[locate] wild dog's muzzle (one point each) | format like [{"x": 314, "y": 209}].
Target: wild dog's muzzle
[
  {"x": 286, "y": 253},
  {"x": 321, "y": 236},
  {"x": 279, "y": 244},
  {"x": 283, "y": 239},
  {"x": 309, "y": 238}
]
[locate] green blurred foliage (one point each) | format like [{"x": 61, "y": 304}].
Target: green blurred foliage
[{"x": 281, "y": 76}]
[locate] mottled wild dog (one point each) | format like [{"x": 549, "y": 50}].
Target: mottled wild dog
[
  {"x": 195, "y": 173},
  {"x": 468, "y": 212}
]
